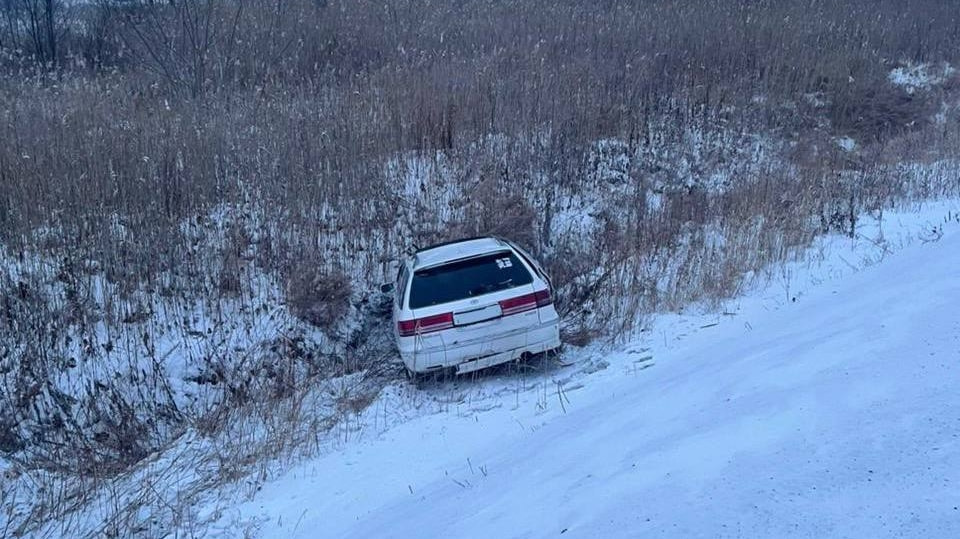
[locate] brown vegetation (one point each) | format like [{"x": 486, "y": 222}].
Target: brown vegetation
[{"x": 172, "y": 147}]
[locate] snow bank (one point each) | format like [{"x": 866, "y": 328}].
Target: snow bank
[{"x": 815, "y": 406}]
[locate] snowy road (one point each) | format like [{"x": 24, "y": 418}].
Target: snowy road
[{"x": 835, "y": 416}]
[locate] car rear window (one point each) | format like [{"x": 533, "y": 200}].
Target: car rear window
[{"x": 467, "y": 278}]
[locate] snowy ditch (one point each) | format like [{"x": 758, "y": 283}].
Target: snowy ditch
[
  {"x": 153, "y": 358},
  {"x": 151, "y": 499}
]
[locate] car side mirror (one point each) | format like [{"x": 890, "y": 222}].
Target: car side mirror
[{"x": 387, "y": 288}]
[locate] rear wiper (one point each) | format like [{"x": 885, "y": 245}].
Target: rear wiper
[
  {"x": 480, "y": 290},
  {"x": 492, "y": 287}
]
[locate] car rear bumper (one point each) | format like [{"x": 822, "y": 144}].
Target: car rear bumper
[{"x": 472, "y": 356}]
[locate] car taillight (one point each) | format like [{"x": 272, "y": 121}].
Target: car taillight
[
  {"x": 427, "y": 324},
  {"x": 526, "y": 302},
  {"x": 544, "y": 298}
]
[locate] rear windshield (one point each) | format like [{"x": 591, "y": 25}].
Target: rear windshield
[{"x": 467, "y": 278}]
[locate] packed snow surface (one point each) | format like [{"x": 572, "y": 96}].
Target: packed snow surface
[{"x": 834, "y": 414}]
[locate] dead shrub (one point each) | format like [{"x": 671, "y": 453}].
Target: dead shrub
[
  {"x": 318, "y": 296},
  {"x": 494, "y": 207},
  {"x": 510, "y": 216},
  {"x": 10, "y": 442},
  {"x": 873, "y": 110},
  {"x": 228, "y": 279}
]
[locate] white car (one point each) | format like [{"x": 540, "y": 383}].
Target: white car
[{"x": 470, "y": 304}]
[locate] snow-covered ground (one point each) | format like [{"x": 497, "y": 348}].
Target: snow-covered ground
[
  {"x": 913, "y": 77},
  {"x": 822, "y": 404}
]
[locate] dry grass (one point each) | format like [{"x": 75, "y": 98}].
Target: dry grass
[
  {"x": 186, "y": 179},
  {"x": 317, "y": 296}
]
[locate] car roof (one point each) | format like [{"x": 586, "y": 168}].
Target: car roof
[{"x": 457, "y": 250}]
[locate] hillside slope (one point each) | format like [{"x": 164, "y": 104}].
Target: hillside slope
[{"x": 836, "y": 415}]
